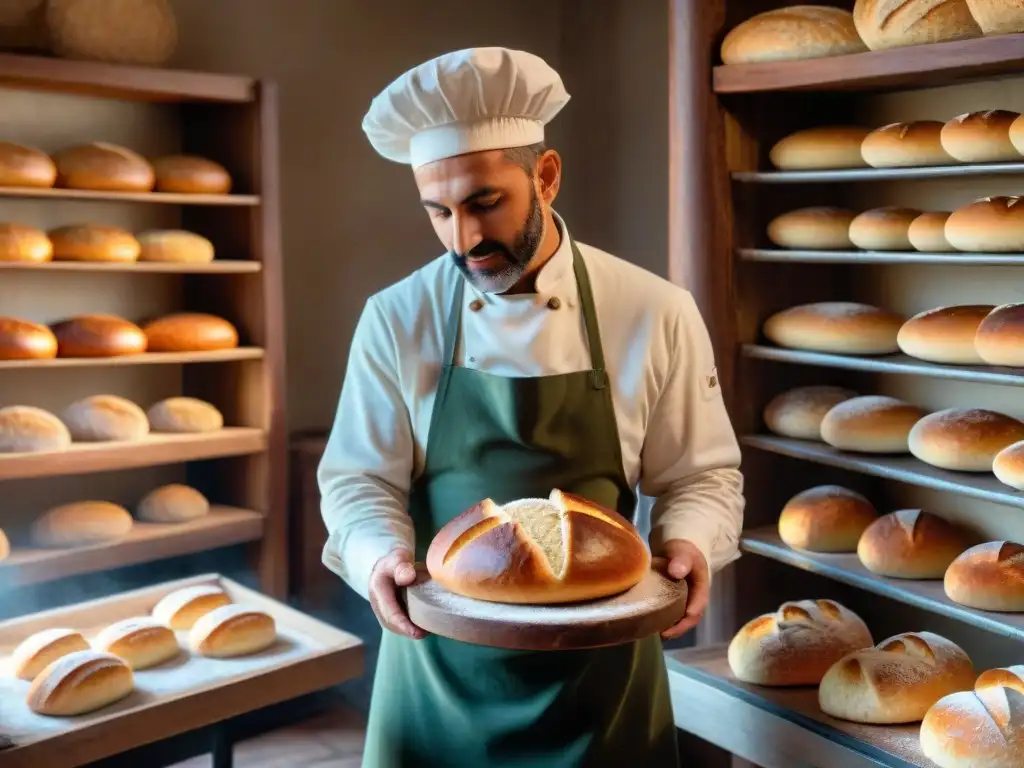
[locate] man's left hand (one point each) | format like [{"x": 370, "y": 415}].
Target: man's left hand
[{"x": 685, "y": 561}]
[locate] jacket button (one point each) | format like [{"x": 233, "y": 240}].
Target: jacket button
[
  {"x": 476, "y": 305},
  {"x": 554, "y": 303}
]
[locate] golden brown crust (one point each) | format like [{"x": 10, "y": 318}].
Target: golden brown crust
[
  {"x": 795, "y": 32},
  {"x": 998, "y": 17},
  {"x": 981, "y": 137},
  {"x": 174, "y": 246},
  {"x": 883, "y": 229},
  {"x": 838, "y": 327},
  {"x": 989, "y": 225},
  {"x": 78, "y": 683},
  {"x": 190, "y": 332},
  {"x": 825, "y": 147},
  {"x": 81, "y": 523},
  {"x": 25, "y": 340},
  {"x": 896, "y": 23},
  {"x": 40, "y": 649},
  {"x": 901, "y": 145},
  {"x": 798, "y": 412},
  {"x": 871, "y": 424},
  {"x": 816, "y": 228},
  {"x": 189, "y": 174},
  {"x": 94, "y": 242},
  {"x": 23, "y": 166},
  {"x": 963, "y": 439},
  {"x": 98, "y": 335},
  {"x": 912, "y": 544},
  {"x": 1008, "y": 466},
  {"x": 184, "y": 415},
  {"x": 21, "y": 243},
  {"x": 944, "y": 334},
  {"x": 182, "y": 608},
  {"x": 1000, "y": 336},
  {"x": 826, "y": 518},
  {"x": 27, "y": 429},
  {"x": 927, "y": 232},
  {"x": 103, "y": 167},
  {"x": 989, "y": 577},
  {"x": 233, "y": 630}
]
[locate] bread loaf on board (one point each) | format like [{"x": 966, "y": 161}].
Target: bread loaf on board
[
  {"x": 100, "y": 418},
  {"x": 944, "y": 334},
  {"x": 989, "y": 225},
  {"x": 27, "y": 429},
  {"x": 141, "y": 642},
  {"x": 189, "y": 174},
  {"x": 184, "y": 415},
  {"x": 871, "y": 424},
  {"x": 232, "y": 630},
  {"x": 24, "y": 340},
  {"x": 883, "y": 229},
  {"x": 826, "y": 518},
  {"x": 796, "y": 644},
  {"x": 94, "y": 242},
  {"x": 820, "y": 228},
  {"x": 80, "y": 682},
  {"x": 912, "y": 544},
  {"x": 22, "y": 166},
  {"x": 37, "y": 651},
  {"x": 981, "y": 137},
  {"x": 989, "y": 577},
  {"x": 1008, "y": 466},
  {"x": 963, "y": 439},
  {"x": 998, "y": 17},
  {"x": 794, "y": 32},
  {"x": 81, "y": 523},
  {"x": 175, "y": 246},
  {"x": 556, "y": 550},
  {"x": 1000, "y": 336},
  {"x": 897, "y": 23},
  {"x": 181, "y": 609},
  {"x": 103, "y": 167},
  {"x": 190, "y": 332},
  {"x": 927, "y": 232},
  {"x": 825, "y": 147},
  {"x": 837, "y": 327},
  {"x": 98, "y": 335},
  {"x": 22, "y": 243},
  {"x": 798, "y": 412},
  {"x": 904, "y": 145},
  {"x": 174, "y": 503}
]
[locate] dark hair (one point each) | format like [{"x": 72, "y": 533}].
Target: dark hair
[{"x": 526, "y": 157}]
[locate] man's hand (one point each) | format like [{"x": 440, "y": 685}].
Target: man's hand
[
  {"x": 394, "y": 570},
  {"x": 685, "y": 561}
]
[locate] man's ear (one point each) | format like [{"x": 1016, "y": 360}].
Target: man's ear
[{"x": 549, "y": 175}]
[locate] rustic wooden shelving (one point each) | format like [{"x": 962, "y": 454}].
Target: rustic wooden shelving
[
  {"x": 148, "y": 358},
  {"x": 769, "y": 255},
  {"x": 845, "y": 175},
  {"x": 167, "y": 198}
]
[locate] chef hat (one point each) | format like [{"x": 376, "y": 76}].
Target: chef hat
[{"x": 466, "y": 101}]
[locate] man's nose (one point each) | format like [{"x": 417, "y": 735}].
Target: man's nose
[{"x": 465, "y": 234}]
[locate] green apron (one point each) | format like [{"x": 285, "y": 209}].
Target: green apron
[{"x": 439, "y": 702}]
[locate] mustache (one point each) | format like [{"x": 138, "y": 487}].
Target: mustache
[{"x": 486, "y": 248}]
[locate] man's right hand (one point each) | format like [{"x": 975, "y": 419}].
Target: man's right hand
[{"x": 390, "y": 572}]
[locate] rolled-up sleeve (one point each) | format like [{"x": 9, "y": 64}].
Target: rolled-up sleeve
[{"x": 365, "y": 473}]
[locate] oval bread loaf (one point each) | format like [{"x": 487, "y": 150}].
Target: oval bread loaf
[
  {"x": 37, "y": 651},
  {"x": 963, "y": 439},
  {"x": 22, "y": 243},
  {"x": 81, "y": 523},
  {"x": 232, "y": 630},
  {"x": 903, "y": 145},
  {"x": 912, "y": 544},
  {"x": 26, "y": 429},
  {"x": 798, "y": 412},
  {"x": 1017, "y": 133},
  {"x": 927, "y": 232},
  {"x": 101, "y": 418},
  {"x": 190, "y": 332},
  {"x": 80, "y": 682},
  {"x": 173, "y": 503},
  {"x": 989, "y": 577},
  {"x": 998, "y": 17},
  {"x": 836, "y": 327},
  {"x": 989, "y": 225},
  {"x": 884, "y": 229},
  {"x": 886, "y": 24},
  {"x": 1000, "y": 336},
  {"x": 24, "y": 340},
  {"x": 23, "y": 166},
  {"x": 825, "y": 147},
  {"x": 98, "y": 335},
  {"x": 174, "y": 246},
  {"x": 826, "y": 518},
  {"x": 820, "y": 228},
  {"x": 95, "y": 243},
  {"x": 1008, "y": 466},
  {"x": 181, "y": 609},
  {"x": 944, "y": 334},
  {"x": 184, "y": 415},
  {"x": 141, "y": 642},
  {"x": 189, "y": 174},
  {"x": 794, "y": 32},
  {"x": 103, "y": 167},
  {"x": 871, "y": 424},
  {"x": 981, "y": 137}
]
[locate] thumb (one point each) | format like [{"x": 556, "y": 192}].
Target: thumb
[
  {"x": 405, "y": 574},
  {"x": 679, "y": 567}
]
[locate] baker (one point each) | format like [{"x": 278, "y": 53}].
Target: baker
[{"x": 518, "y": 361}]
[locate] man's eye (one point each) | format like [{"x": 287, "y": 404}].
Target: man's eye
[
  {"x": 486, "y": 205},
  {"x": 441, "y": 214}
]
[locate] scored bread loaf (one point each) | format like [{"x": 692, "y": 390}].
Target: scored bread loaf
[
  {"x": 989, "y": 577},
  {"x": 189, "y": 174},
  {"x": 902, "y": 145},
  {"x": 1000, "y": 336},
  {"x": 40, "y": 649},
  {"x": 897, "y": 681},
  {"x": 190, "y": 332},
  {"x": 141, "y": 642},
  {"x": 883, "y": 229},
  {"x": 825, "y": 147},
  {"x": 871, "y": 424},
  {"x": 174, "y": 503},
  {"x": 27, "y": 429},
  {"x": 798, "y": 412},
  {"x": 963, "y": 439},
  {"x": 181, "y": 608},
  {"x": 837, "y": 327},
  {"x": 19, "y": 242},
  {"x": 98, "y": 335},
  {"x": 826, "y": 518},
  {"x": 174, "y": 245},
  {"x": 896, "y": 23},
  {"x": 22, "y": 166},
  {"x": 24, "y": 340},
  {"x": 912, "y": 544},
  {"x": 80, "y": 682},
  {"x": 94, "y": 242},
  {"x": 103, "y": 167},
  {"x": 998, "y": 17},
  {"x": 927, "y": 232},
  {"x": 796, "y": 644},
  {"x": 981, "y": 137},
  {"x": 944, "y": 334},
  {"x": 794, "y": 32},
  {"x": 184, "y": 415},
  {"x": 1008, "y": 466},
  {"x": 232, "y": 630},
  {"x": 989, "y": 225},
  {"x": 819, "y": 228},
  {"x": 101, "y": 418},
  {"x": 81, "y": 523},
  {"x": 556, "y": 550}
]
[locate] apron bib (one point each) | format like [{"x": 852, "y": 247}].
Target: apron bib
[{"x": 439, "y": 702}]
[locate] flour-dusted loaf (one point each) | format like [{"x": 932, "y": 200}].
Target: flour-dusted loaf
[
  {"x": 826, "y": 518},
  {"x": 981, "y": 137},
  {"x": 793, "y": 32},
  {"x": 912, "y": 544},
  {"x": 37, "y": 651},
  {"x": 963, "y": 439},
  {"x": 838, "y": 327},
  {"x": 897, "y": 681},
  {"x": 871, "y": 424},
  {"x": 902, "y": 145},
  {"x": 81, "y": 682},
  {"x": 182, "y": 608},
  {"x": 927, "y": 232},
  {"x": 27, "y": 429},
  {"x": 98, "y": 335},
  {"x": 556, "y": 550},
  {"x": 141, "y": 642},
  {"x": 896, "y": 23},
  {"x": 103, "y": 167},
  {"x": 190, "y": 174},
  {"x": 1008, "y": 466},
  {"x": 798, "y": 412},
  {"x": 174, "y": 503},
  {"x": 94, "y": 242},
  {"x": 100, "y": 418},
  {"x": 989, "y": 577},
  {"x": 819, "y": 228},
  {"x": 796, "y": 644},
  {"x": 988, "y": 225},
  {"x": 944, "y": 334},
  {"x": 998, "y": 17},
  {"x": 22, "y": 243},
  {"x": 884, "y": 229},
  {"x": 1000, "y": 336},
  {"x": 80, "y": 524},
  {"x": 174, "y": 245},
  {"x": 25, "y": 340},
  {"x": 24, "y": 166},
  {"x": 184, "y": 415},
  {"x": 190, "y": 332},
  {"x": 232, "y": 630},
  {"x": 821, "y": 148}
]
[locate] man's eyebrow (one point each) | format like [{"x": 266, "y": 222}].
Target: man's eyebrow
[{"x": 482, "y": 192}]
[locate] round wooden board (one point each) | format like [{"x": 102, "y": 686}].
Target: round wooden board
[{"x": 653, "y": 605}]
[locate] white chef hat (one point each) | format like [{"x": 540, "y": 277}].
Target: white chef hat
[{"x": 465, "y": 101}]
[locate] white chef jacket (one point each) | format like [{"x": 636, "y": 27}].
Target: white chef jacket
[{"x": 678, "y": 445}]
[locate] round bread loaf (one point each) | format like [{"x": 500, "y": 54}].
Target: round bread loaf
[
  {"x": 912, "y": 544},
  {"x": 896, "y": 23},
  {"x": 556, "y": 550},
  {"x": 174, "y": 503},
  {"x": 174, "y": 246},
  {"x": 191, "y": 175},
  {"x": 232, "y": 630},
  {"x": 821, "y": 148},
  {"x": 190, "y": 332},
  {"x": 963, "y": 439},
  {"x": 80, "y": 682},
  {"x": 871, "y": 424},
  {"x": 826, "y": 518},
  {"x": 26, "y": 429},
  {"x": 796, "y": 644},
  {"x": 22, "y": 243},
  {"x": 927, "y": 232},
  {"x": 5, "y": 546},
  {"x": 903, "y": 145},
  {"x": 989, "y": 225},
  {"x": 94, "y": 242},
  {"x": 998, "y": 17},
  {"x": 98, "y": 335},
  {"x": 1017, "y": 134},
  {"x": 184, "y": 415},
  {"x": 100, "y": 418},
  {"x": 22, "y": 166},
  {"x": 37, "y": 651},
  {"x": 141, "y": 642},
  {"x": 103, "y": 167},
  {"x": 989, "y": 577},
  {"x": 798, "y": 412},
  {"x": 81, "y": 524},
  {"x": 820, "y": 228},
  {"x": 24, "y": 340},
  {"x": 897, "y": 681},
  {"x": 1000, "y": 336},
  {"x": 181, "y": 609},
  {"x": 944, "y": 334},
  {"x": 884, "y": 229},
  {"x": 981, "y": 137},
  {"x": 1008, "y": 466},
  {"x": 837, "y": 327},
  {"x": 795, "y": 32}
]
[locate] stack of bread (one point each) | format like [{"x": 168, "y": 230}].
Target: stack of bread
[{"x": 101, "y": 243}]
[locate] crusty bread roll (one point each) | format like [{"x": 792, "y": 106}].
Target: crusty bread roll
[
  {"x": 24, "y": 340},
  {"x": 870, "y": 424},
  {"x": 27, "y": 429},
  {"x": 174, "y": 245},
  {"x": 174, "y": 503},
  {"x": 912, "y": 544},
  {"x": 181, "y": 609},
  {"x": 826, "y": 147},
  {"x": 896, "y": 23},
  {"x": 141, "y": 642},
  {"x": 232, "y": 630},
  {"x": 1008, "y": 466},
  {"x": 184, "y": 415},
  {"x": 826, "y": 518},
  {"x": 821, "y": 228},
  {"x": 22, "y": 243},
  {"x": 796, "y": 644},
  {"x": 944, "y": 334},
  {"x": 963, "y": 439},
  {"x": 798, "y": 412},
  {"x": 896, "y": 681},
  {"x": 989, "y": 225},
  {"x": 903, "y": 145},
  {"x": 22, "y": 166},
  {"x": 103, "y": 167},
  {"x": 1017, "y": 134},
  {"x": 100, "y": 418},
  {"x": 981, "y": 137},
  {"x": 98, "y": 335},
  {"x": 794, "y": 32},
  {"x": 5, "y": 546},
  {"x": 189, "y": 174},
  {"x": 883, "y": 229},
  {"x": 927, "y": 232},
  {"x": 37, "y": 651},
  {"x": 81, "y": 524},
  {"x": 838, "y": 327},
  {"x": 80, "y": 682},
  {"x": 1000, "y": 336},
  {"x": 556, "y": 550},
  {"x": 998, "y": 17},
  {"x": 989, "y": 577},
  {"x": 94, "y": 242},
  {"x": 190, "y": 332}
]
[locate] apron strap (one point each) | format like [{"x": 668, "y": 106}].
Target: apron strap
[{"x": 451, "y": 330}]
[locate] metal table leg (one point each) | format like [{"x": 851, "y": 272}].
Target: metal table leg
[{"x": 223, "y": 753}]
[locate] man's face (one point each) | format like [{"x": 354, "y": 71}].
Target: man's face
[{"x": 486, "y": 211}]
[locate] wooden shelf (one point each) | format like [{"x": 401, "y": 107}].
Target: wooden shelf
[
  {"x": 149, "y": 358},
  {"x": 129, "y": 197},
  {"x": 904, "y": 469},
  {"x": 777, "y": 727},
  {"x": 222, "y": 527},
  {"x": 842, "y": 175},
  {"x": 217, "y": 267},
  {"x": 895, "y": 364},
  {"x": 880, "y": 257},
  {"x": 847, "y": 568},
  {"x": 908, "y": 67},
  {"x": 154, "y": 450}
]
